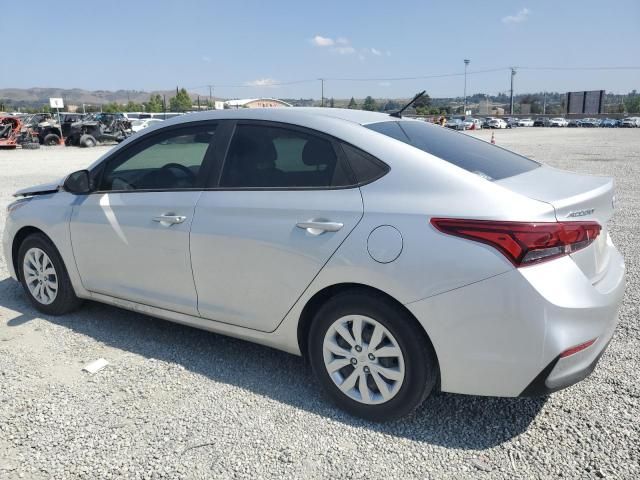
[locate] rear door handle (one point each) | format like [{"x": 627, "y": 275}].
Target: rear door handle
[
  {"x": 316, "y": 228},
  {"x": 168, "y": 219}
]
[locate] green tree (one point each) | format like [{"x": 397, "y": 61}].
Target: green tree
[
  {"x": 632, "y": 103},
  {"x": 352, "y": 103},
  {"x": 154, "y": 104},
  {"x": 181, "y": 102},
  {"x": 392, "y": 105},
  {"x": 369, "y": 104},
  {"x": 112, "y": 107},
  {"x": 423, "y": 102}
]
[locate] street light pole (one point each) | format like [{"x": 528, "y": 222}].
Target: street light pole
[
  {"x": 464, "y": 108},
  {"x": 321, "y": 92},
  {"x": 513, "y": 74}
]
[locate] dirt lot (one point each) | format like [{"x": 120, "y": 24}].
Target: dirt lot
[{"x": 181, "y": 403}]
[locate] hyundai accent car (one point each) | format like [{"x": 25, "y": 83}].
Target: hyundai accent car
[{"x": 399, "y": 257}]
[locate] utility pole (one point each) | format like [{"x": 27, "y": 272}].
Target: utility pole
[
  {"x": 544, "y": 104},
  {"x": 321, "y": 92},
  {"x": 464, "y": 107},
  {"x": 211, "y": 105},
  {"x": 513, "y": 74}
]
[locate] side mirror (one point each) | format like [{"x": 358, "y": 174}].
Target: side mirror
[{"x": 78, "y": 183}]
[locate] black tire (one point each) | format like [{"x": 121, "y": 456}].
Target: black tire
[
  {"x": 31, "y": 146},
  {"x": 51, "y": 139},
  {"x": 421, "y": 370},
  {"x": 87, "y": 141},
  {"x": 65, "y": 300}
]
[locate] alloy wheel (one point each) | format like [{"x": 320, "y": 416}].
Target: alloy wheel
[
  {"x": 363, "y": 359},
  {"x": 40, "y": 276}
]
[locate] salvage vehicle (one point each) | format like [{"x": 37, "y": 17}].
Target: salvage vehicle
[
  {"x": 99, "y": 127},
  {"x": 399, "y": 257},
  {"x": 46, "y": 127},
  {"x": 14, "y": 133}
]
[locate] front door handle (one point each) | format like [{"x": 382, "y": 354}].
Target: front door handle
[
  {"x": 168, "y": 219},
  {"x": 316, "y": 228}
]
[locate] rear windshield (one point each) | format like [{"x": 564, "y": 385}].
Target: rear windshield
[{"x": 462, "y": 150}]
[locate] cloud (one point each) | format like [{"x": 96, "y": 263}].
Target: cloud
[
  {"x": 320, "y": 41},
  {"x": 206, "y": 58},
  {"x": 346, "y": 50},
  {"x": 262, "y": 82},
  {"x": 343, "y": 46},
  {"x": 519, "y": 17},
  {"x": 384, "y": 84}
]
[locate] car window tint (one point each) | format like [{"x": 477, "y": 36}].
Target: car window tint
[
  {"x": 275, "y": 157},
  {"x": 169, "y": 161},
  {"x": 462, "y": 150},
  {"x": 365, "y": 167}
]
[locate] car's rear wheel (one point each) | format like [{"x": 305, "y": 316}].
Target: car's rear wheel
[
  {"x": 371, "y": 356},
  {"x": 44, "y": 276}
]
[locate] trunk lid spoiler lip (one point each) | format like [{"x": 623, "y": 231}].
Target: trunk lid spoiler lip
[{"x": 574, "y": 196}]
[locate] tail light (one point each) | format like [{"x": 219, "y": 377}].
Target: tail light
[{"x": 521, "y": 242}]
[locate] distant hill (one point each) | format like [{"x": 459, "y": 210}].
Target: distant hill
[{"x": 34, "y": 97}]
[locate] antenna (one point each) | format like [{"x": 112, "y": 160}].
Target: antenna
[{"x": 398, "y": 114}]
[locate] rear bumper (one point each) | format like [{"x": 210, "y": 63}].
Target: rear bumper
[
  {"x": 545, "y": 383},
  {"x": 503, "y": 336}
]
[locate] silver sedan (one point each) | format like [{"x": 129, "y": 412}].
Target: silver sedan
[{"x": 398, "y": 256}]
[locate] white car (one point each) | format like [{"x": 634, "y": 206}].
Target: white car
[
  {"x": 558, "y": 122},
  {"x": 141, "y": 124},
  {"x": 525, "y": 122},
  {"x": 497, "y": 123},
  {"x": 472, "y": 124},
  {"x": 397, "y": 256},
  {"x": 630, "y": 122}
]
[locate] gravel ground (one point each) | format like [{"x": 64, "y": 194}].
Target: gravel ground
[{"x": 176, "y": 402}]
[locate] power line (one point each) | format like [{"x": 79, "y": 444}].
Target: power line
[
  {"x": 580, "y": 68},
  {"x": 418, "y": 77}
]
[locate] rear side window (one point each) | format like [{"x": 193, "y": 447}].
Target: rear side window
[
  {"x": 462, "y": 150},
  {"x": 275, "y": 157},
  {"x": 365, "y": 167}
]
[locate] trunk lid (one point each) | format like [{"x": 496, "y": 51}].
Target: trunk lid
[{"x": 575, "y": 197}]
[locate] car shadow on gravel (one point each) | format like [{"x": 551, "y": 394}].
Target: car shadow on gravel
[{"x": 456, "y": 421}]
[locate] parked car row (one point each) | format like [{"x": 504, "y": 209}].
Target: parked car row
[{"x": 471, "y": 123}]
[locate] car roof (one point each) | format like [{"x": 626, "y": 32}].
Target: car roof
[{"x": 287, "y": 115}]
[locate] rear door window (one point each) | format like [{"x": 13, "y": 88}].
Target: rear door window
[
  {"x": 462, "y": 150},
  {"x": 263, "y": 156}
]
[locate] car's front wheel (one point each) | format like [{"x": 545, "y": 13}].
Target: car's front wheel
[
  {"x": 371, "y": 356},
  {"x": 44, "y": 276}
]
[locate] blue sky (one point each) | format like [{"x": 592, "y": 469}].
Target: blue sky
[{"x": 146, "y": 45}]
